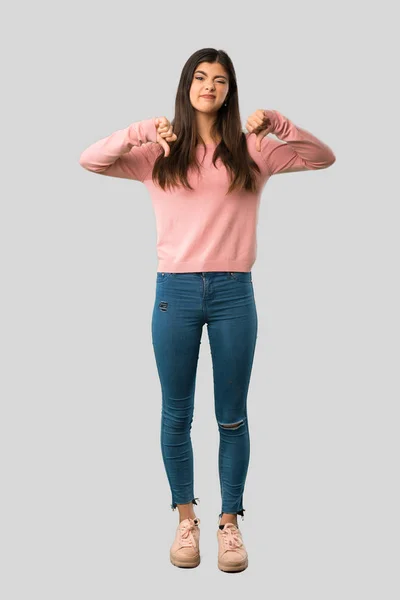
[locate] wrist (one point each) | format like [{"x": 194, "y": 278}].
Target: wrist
[
  {"x": 274, "y": 122},
  {"x": 149, "y": 129}
]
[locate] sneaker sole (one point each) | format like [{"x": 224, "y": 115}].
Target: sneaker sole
[
  {"x": 194, "y": 562},
  {"x": 233, "y": 568}
]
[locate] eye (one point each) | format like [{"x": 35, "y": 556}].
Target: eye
[{"x": 199, "y": 77}]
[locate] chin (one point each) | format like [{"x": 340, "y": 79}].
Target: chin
[{"x": 212, "y": 109}]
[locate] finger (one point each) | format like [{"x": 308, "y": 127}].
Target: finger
[
  {"x": 258, "y": 141},
  {"x": 262, "y": 116},
  {"x": 166, "y": 148},
  {"x": 265, "y": 127},
  {"x": 252, "y": 129},
  {"x": 161, "y": 123},
  {"x": 167, "y": 133},
  {"x": 170, "y": 138},
  {"x": 256, "y": 122}
]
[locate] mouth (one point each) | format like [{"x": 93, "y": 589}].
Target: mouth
[{"x": 208, "y": 97}]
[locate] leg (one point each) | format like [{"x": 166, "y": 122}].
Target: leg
[
  {"x": 176, "y": 335},
  {"x": 232, "y": 330}
]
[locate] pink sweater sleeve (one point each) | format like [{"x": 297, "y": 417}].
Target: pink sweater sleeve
[
  {"x": 125, "y": 153},
  {"x": 302, "y": 151}
]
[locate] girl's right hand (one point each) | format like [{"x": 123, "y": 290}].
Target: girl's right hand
[{"x": 164, "y": 133}]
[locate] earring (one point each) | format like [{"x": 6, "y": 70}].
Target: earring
[{"x": 225, "y": 104}]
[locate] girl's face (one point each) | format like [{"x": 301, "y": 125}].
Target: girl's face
[{"x": 209, "y": 78}]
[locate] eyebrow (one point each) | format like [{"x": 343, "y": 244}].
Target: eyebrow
[{"x": 206, "y": 74}]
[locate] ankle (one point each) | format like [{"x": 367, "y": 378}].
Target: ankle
[
  {"x": 228, "y": 518},
  {"x": 183, "y": 517},
  {"x": 186, "y": 511}
]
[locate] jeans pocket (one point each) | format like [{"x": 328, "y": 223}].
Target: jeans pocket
[
  {"x": 162, "y": 277},
  {"x": 241, "y": 276}
]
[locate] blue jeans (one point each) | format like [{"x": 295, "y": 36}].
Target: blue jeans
[{"x": 184, "y": 303}]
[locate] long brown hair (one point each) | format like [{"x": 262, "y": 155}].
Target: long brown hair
[{"x": 171, "y": 170}]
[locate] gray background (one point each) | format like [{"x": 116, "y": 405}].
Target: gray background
[{"x": 85, "y": 503}]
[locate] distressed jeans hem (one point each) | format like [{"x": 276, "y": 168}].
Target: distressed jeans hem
[{"x": 174, "y": 505}]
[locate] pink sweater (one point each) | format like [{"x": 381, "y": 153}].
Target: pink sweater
[{"x": 205, "y": 229}]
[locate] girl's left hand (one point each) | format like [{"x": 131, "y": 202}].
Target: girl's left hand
[{"x": 260, "y": 123}]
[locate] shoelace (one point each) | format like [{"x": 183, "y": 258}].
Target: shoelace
[
  {"x": 186, "y": 535},
  {"x": 231, "y": 537}
]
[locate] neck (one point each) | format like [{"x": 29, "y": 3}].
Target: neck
[{"x": 205, "y": 122}]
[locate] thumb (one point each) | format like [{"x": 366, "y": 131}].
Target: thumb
[
  {"x": 164, "y": 145},
  {"x": 258, "y": 141}
]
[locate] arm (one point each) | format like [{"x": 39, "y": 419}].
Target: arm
[
  {"x": 125, "y": 153},
  {"x": 302, "y": 151}
]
